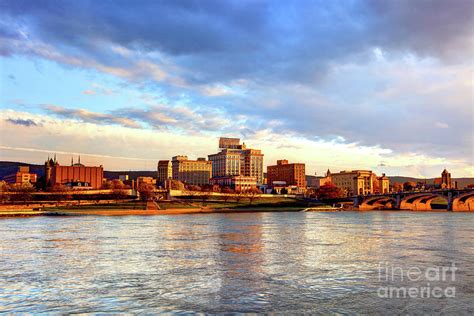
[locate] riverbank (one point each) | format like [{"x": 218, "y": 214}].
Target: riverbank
[{"x": 136, "y": 208}]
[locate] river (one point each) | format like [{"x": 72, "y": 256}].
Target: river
[{"x": 335, "y": 262}]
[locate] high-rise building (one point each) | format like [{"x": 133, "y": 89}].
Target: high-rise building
[
  {"x": 77, "y": 173},
  {"x": 291, "y": 173},
  {"x": 196, "y": 172},
  {"x": 236, "y": 159},
  {"x": 164, "y": 171},
  {"x": 251, "y": 164},
  {"x": 226, "y": 163}
]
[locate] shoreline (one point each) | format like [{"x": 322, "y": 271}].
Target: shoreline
[{"x": 184, "y": 211}]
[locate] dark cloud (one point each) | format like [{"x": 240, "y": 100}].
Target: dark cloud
[
  {"x": 27, "y": 122},
  {"x": 264, "y": 40},
  {"x": 285, "y": 52}
]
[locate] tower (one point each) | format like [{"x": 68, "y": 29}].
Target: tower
[{"x": 446, "y": 179}]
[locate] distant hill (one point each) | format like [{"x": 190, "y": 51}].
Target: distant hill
[
  {"x": 9, "y": 167},
  {"x": 462, "y": 182}
]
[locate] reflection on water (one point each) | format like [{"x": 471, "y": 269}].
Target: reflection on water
[{"x": 284, "y": 262}]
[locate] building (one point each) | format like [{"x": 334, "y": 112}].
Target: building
[
  {"x": 55, "y": 174},
  {"x": 236, "y": 159},
  {"x": 147, "y": 180},
  {"x": 355, "y": 182},
  {"x": 383, "y": 184},
  {"x": 292, "y": 173},
  {"x": 251, "y": 164},
  {"x": 226, "y": 162},
  {"x": 22, "y": 176},
  {"x": 230, "y": 143},
  {"x": 196, "y": 172},
  {"x": 238, "y": 183},
  {"x": 446, "y": 182},
  {"x": 165, "y": 171}
]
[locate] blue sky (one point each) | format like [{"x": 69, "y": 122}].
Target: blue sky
[{"x": 383, "y": 85}]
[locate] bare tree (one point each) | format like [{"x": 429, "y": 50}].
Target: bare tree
[{"x": 252, "y": 194}]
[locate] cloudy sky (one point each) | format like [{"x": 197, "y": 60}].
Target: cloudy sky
[{"x": 384, "y": 85}]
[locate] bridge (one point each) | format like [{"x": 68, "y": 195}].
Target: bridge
[{"x": 457, "y": 200}]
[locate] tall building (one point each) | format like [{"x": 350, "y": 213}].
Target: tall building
[
  {"x": 196, "y": 172},
  {"x": 226, "y": 162},
  {"x": 251, "y": 164},
  {"x": 55, "y": 174},
  {"x": 291, "y": 173},
  {"x": 355, "y": 182},
  {"x": 22, "y": 176},
  {"x": 165, "y": 171},
  {"x": 236, "y": 159}
]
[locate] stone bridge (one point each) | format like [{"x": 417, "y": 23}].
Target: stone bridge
[{"x": 457, "y": 200}]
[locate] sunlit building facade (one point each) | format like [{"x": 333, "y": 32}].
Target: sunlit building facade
[
  {"x": 195, "y": 172},
  {"x": 236, "y": 159},
  {"x": 291, "y": 173}
]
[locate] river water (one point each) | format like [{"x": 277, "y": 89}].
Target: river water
[{"x": 341, "y": 262}]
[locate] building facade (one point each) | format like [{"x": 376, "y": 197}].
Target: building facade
[
  {"x": 225, "y": 163},
  {"x": 236, "y": 159},
  {"x": 196, "y": 172},
  {"x": 164, "y": 171},
  {"x": 55, "y": 174},
  {"x": 446, "y": 181},
  {"x": 238, "y": 183},
  {"x": 383, "y": 184},
  {"x": 354, "y": 182},
  {"x": 22, "y": 176},
  {"x": 292, "y": 173}
]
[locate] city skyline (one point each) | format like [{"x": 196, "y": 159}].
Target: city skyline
[{"x": 392, "y": 97}]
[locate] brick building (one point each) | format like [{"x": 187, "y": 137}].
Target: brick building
[
  {"x": 291, "y": 173},
  {"x": 55, "y": 174}
]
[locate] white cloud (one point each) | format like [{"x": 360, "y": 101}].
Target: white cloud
[{"x": 125, "y": 148}]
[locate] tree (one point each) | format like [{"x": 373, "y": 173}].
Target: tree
[
  {"x": 22, "y": 191},
  {"x": 397, "y": 187},
  {"x": 146, "y": 191},
  {"x": 119, "y": 190},
  {"x": 176, "y": 185},
  {"x": 409, "y": 185},
  {"x": 328, "y": 191},
  {"x": 284, "y": 191},
  {"x": 226, "y": 193},
  {"x": 238, "y": 195},
  {"x": 61, "y": 192},
  {"x": 253, "y": 194}
]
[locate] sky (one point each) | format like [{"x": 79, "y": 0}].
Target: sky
[{"x": 380, "y": 85}]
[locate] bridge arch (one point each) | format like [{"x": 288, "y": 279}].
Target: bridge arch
[
  {"x": 378, "y": 202},
  {"x": 420, "y": 201},
  {"x": 464, "y": 202}
]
